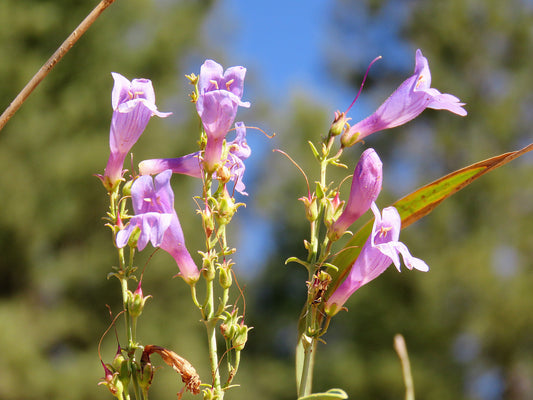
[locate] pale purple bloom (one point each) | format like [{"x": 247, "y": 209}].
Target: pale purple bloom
[
  {"x": 133, "y": 104},
  {"x": 412, "y": 97},
  {"x": 219, "y": 96},
  {"x": 191, "y": 164},
  {"x": 155, "y": 217},
  {"x": 212, "y": 77},
  {"x": 380, "y": 250},
  {"x": 366, "y": 185}
]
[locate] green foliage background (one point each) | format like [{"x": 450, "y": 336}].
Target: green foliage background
[{"x": 468, "y": 318}]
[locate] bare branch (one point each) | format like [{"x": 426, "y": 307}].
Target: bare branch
[{"x": 52, "y": 61}]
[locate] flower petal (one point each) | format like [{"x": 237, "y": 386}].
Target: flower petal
[{"x": 186, "y": 165}]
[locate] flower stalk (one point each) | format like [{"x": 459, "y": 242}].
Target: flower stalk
[{"x": 311, "y": 320}]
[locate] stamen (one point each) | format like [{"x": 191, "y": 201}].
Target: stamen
[
  {"x": 138, "y": 93},
  {"x": 421, "y": 78},
  {"x": 362, "y": 83},
  {"x": 214, "y": 83},
  {"x": 228, "y": 83},
  {"x": 147, "y": 199},
  {"x": 384, "y": 230}
]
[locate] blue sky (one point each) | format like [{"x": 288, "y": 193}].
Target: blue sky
[
  {"x": 280, "y": 42},
  {"x": 286, "y": 45}
]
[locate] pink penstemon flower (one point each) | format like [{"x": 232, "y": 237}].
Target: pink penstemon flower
[
  {"x": 366, "y": 185},
  {"x": 219, "y": 96},
  {"x": 381, "y": 249},
  {"x": 412, "y": 97},
  {"x": 133, "y": 105},
  {"x": 155, "y": 217}
]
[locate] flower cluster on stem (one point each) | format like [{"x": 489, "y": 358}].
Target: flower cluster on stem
[
  {"x": 218, "y": 162},
  {"x": 329, "y": 290}
]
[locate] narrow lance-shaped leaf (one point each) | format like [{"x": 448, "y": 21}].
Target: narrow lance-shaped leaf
[{"x": 421, "y": 202}]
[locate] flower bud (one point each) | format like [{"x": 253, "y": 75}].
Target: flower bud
[
  {"x": 208, "y": 270},
  {"x": 311, "y": 208},
  {"x": 208, "y": 222},
  {"x": 240, "y": 338},
  {"x": 112, "y": 382},
  {"x": 230, "y": 328},
  {"x": 121, "y": 365},
  {"x": 126, "y": 189},
  {"x": 338, "y": 125},
  {"x": 333, "y": 209},
  {"x": 136, "y": 302},
  {"x": 146, "y": 375},
  {"x": 366, "y": 185},
  {"x": 225, "y": 278},
  {"x": 227, "y": 331},
  {"x": 226, "y": 208}
]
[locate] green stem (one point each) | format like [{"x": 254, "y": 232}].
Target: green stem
[
  {"x": 313, "y": 241},
  {"x": 194, "y": 297},
  {"x": 223, "y": 302},
  {"x": 123, "y": 276},
  {"x": 228, "y": 356},
  {"x": 233, "y": 369},
  {"x": 135, "y": 378},
  {"x": 309, "y": 336},
  {"x": 306, "y": 381},
  {"x": 127, "y": 317},
  {"x": 211, "y": 325}
]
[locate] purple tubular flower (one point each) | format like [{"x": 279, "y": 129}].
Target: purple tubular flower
[
  {"x": 219, "y": 96},
  {"x": 238, "y": 151},
  {"x": 155, "y": 217},
  {"x": 186, "y": 165},
  {"x": 412, "y": 97},
  {"x": 133, "y": 104},
  {"x": 366, "y": 185},
  {"x": 380, "y": 250}
]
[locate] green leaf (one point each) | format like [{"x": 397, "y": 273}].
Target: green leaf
[
  {"x": 314, "y": 150},
  {"x": 421, "y": 202},
  {"x": 298, "y": 261},
  {"x": 320, "y": 191},
  {"x": 329, "y": 395}
]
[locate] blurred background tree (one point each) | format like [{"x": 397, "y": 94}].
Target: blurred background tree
[{"x": 467, "y": 322}]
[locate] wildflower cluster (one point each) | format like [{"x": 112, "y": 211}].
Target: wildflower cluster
[
  {"x": 218, "y": 162},
  {"x": 328, "y": 289}
]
